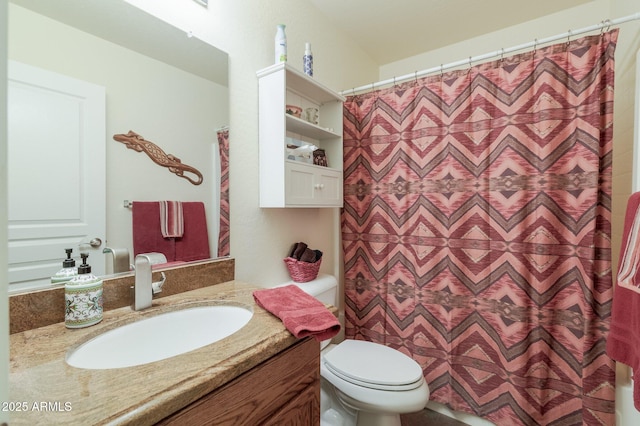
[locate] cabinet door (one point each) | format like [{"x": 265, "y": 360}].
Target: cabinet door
[
  {"x": 304, "y": 409},
  {"x": 328, "y": 187},
  {"x": 299, "y": 183},
  {"x": 312, "y": 186},
  {"x": 283, "y": 390}
]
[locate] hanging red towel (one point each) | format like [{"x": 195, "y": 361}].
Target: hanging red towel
[
  {"x": 623, "y": 343},
  {"x": 147, "y": 234},
  {"x": 194, "y": 244},
  {"x": 171, "y": 219},
  {"x": 147, "y": 237},
  {"x": 302, "y": 314}
]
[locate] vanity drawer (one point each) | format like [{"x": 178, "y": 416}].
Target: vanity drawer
[{"x": 285, "y": 389}]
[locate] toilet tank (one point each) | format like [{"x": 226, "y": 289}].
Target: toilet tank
[{"x": 324, "y": 288}]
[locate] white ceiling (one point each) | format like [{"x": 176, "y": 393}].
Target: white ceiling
[{"x": 391, "y": 30}]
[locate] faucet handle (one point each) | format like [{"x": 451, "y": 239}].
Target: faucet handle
[{"x": 156, "y": 287}]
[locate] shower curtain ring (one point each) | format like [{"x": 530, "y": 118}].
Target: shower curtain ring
[
  {"x": 416, "y": 76},
  {"x": 535, "y": 45},
  {"x": 568, "y": 37},
  {"x": 502, "y": 54},
  {"x": 441, "y": 70}
]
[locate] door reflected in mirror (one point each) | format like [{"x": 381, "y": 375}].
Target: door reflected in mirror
[{"x": 157, "y": 81}]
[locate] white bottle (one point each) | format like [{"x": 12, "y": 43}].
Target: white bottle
[
  {"x": 307, "y": 60},
  {"x": 281, "y": 45}
]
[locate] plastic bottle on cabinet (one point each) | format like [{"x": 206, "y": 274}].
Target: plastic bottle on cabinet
[
  {"x": 307, "y": 60},
  {"x": 281, "y": 44},
  {"x": 83, "y": 298},
  {"x": 68, "y": 270}
]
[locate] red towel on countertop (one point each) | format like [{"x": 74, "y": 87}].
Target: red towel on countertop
[
  {"x": 302, "y": 314},
  {"x": 147, "y": 234},
  {"x": 623, "y": 342}
]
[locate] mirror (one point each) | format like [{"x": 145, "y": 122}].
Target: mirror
[{"x": 159, "y": 82}]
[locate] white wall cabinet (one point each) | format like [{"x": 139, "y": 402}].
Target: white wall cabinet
[{"x": 287, "y": 180}]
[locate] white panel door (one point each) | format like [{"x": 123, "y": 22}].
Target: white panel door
[{"x": 56, "y": 173}]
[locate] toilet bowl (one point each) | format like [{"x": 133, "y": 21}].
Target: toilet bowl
[
  {"x": 364, "y": 383},
  {"x": 373, "y": 383}
]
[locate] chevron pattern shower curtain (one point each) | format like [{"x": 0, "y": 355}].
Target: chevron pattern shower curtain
[
  {"x": 476, "y": 231},
  {"x": 224, "y": 235}
]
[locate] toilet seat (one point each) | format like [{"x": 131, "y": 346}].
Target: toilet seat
[{"x": 373, "y": 366}]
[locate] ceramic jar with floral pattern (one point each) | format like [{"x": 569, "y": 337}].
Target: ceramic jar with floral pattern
[{"x": 83, "y": 298}]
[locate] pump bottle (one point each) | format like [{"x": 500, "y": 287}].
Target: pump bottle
[
  {"x": 68, "y": 270},
  {"x": 83, "y": 298}
]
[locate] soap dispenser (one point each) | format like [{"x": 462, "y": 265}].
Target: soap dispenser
[
  {"x": 83, "y": 298},
  {"x": 68, "y": 270}
]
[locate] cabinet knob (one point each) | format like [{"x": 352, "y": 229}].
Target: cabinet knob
[{"x": 319, "y": 186}]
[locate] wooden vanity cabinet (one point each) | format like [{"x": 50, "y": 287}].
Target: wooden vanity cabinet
[{"x": 283, "y": 390}]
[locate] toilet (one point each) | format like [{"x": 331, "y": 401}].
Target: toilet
[{"x": 364, "y": 383}]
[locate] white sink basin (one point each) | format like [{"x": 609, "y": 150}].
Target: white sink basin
[{"x": 159, "y": 337}]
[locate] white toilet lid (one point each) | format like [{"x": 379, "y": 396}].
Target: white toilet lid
[{"x": 373, "y": 365}]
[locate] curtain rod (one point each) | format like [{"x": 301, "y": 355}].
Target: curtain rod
[{"x": 500, "y": 52}]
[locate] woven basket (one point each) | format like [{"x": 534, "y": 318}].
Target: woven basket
[{"x": 302, "y": 272}]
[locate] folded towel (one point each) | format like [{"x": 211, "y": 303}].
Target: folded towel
[
  {"x": 171, "y": 219},
  {"x": 302, "y": 314},
  {"x": 623, "y": 342}
]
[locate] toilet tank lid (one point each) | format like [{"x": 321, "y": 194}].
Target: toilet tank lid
[{"x": 322, "y": 283}]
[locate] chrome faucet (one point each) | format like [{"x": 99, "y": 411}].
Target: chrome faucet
[{"x": 144, "y": 288}]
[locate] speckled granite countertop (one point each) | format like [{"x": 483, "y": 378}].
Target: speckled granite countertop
[{"x": 48, "y": 391}]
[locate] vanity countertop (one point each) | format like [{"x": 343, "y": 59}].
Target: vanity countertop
[{"x": 44, "y": 389}]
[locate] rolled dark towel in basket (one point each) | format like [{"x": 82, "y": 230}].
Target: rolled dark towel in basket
[{"x": 303, "y": 263}]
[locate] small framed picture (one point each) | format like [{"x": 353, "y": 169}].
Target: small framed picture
[{"x": 320, "y": 158}]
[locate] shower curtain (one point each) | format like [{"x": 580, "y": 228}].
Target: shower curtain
[
  {"x": 476, "y": 231},
  {"x": 224, "y": 234}
]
